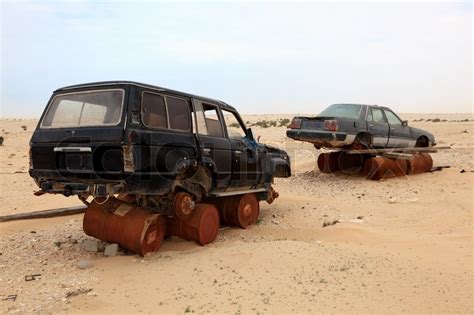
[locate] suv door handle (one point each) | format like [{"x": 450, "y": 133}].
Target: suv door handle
[
  {"x": 238, "y": 152},
  {"x": 371, "y": 125},
  {"x": 206, "y": 150}
]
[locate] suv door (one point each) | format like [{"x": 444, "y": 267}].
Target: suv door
[
  {"x": 245, "y": 173},
  {"x": 214, "y": 146},
  {"x": 378, "y": 127},
  {"x": 165, "y": 141}
]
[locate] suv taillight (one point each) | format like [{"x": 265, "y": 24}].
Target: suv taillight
[
  {"x": 330, "y": 125},
  {"x": 295, "y": 124}
]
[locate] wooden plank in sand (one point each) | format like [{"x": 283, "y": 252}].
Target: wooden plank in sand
[{"x": 50, "y": 213}]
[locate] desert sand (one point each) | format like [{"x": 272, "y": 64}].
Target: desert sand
[{"x": 401, "y": 245}]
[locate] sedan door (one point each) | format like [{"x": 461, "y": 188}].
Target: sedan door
[
  {"x": 378, "y": 127},
  {"x": 400, "y": 134}
]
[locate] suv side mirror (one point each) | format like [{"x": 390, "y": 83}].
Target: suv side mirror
[
  {"x": 250, "y": 134},
  {"x": 405, "y": 123}
]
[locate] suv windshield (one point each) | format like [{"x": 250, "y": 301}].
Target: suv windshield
[
  {"x": 341, "y": 111},
  {"x": 89, "y": 108}
]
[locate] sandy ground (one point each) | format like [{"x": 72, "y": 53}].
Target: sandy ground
[{"x": 412, "y": 254}]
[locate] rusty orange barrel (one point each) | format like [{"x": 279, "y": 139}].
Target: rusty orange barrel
[
  {"x": 377, "y": 168},
  {"x": 328, "y": 162},
  {"x": 202, "y": 226},
  {"x": 240, "y": 211},
  {"x": 134, "y": 228},
  {"x": 420, "y": 163},
  {"x": 351, "y": 163}
]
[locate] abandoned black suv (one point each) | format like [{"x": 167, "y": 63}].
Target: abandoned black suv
[{"x": 155, "y": 147}]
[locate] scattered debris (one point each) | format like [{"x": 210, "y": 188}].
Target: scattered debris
[
  {"x": 10, "y": 297},
  {"x": 91, "y": 245},
  {"x": 439, "y": 168},
  {"x": 84, "y": 264},
  {"x": 36, "y": 276},
  {"x": 464, "y": 131},
  {"x": 330, "y": 222},
  {"x": 24, "y": 127},
  {"x": 463, "y": 171},
  {"x": 392, "y": 200},
  {"x": 78, "y": 292},
  {"x": 276, "y": 222},
  {"x": 1, "y": 140},
  {"x": 357, "y": 221},
  {"x": 111, "y": 250}
]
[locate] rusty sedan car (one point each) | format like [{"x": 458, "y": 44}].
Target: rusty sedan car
[{"x": 355, "y": 126}]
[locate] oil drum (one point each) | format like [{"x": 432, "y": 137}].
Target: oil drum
[
  {"x": 240, "y": 210},
  {"x": 134, "y": 228},
  {"x": 420, "y": 163},
  {"x": 201, "y": 226},
  {"x": 328, "y": 162},
  {"x": 351, "y": 163},
  {"x": 377, "y": 168}
]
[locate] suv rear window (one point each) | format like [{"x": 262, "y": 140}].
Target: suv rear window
[
  {"x": 165, "y": 112},
  {"x": 81, "y": 109}
]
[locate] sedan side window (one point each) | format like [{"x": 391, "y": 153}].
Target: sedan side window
[
  {"x": 369, "y": 114},
  {"x": 392, "y": 118},
  {"x": 378, "y": 115}
]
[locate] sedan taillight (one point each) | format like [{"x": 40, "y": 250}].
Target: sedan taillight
[
  {"x": 330, "y": 125},
  {"x": 295, "y": 124}
]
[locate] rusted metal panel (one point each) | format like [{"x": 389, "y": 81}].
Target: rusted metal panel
[
  {"x": 183, "y": 204},
  {"x": 134, "y": 228},
  {"x": 272, "y": 195}
]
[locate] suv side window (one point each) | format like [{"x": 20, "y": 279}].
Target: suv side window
[
  {"x": 154, "y": 111},
  {"x": 392, "y": 118},
  {"x": 378, "y": 115},
  {"x": 165, "y": 112},
  {"x": 178, "y": 113},
  {"x": 213, "y": 122},
  {"x": 234, "y": 127}
]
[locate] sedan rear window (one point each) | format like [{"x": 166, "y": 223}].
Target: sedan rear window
[
  {"x": 341, "y": 111},
  {"x": 81, "y": 109}
]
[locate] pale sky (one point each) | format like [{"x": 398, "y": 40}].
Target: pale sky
[{"x": 266, "y": 57}]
